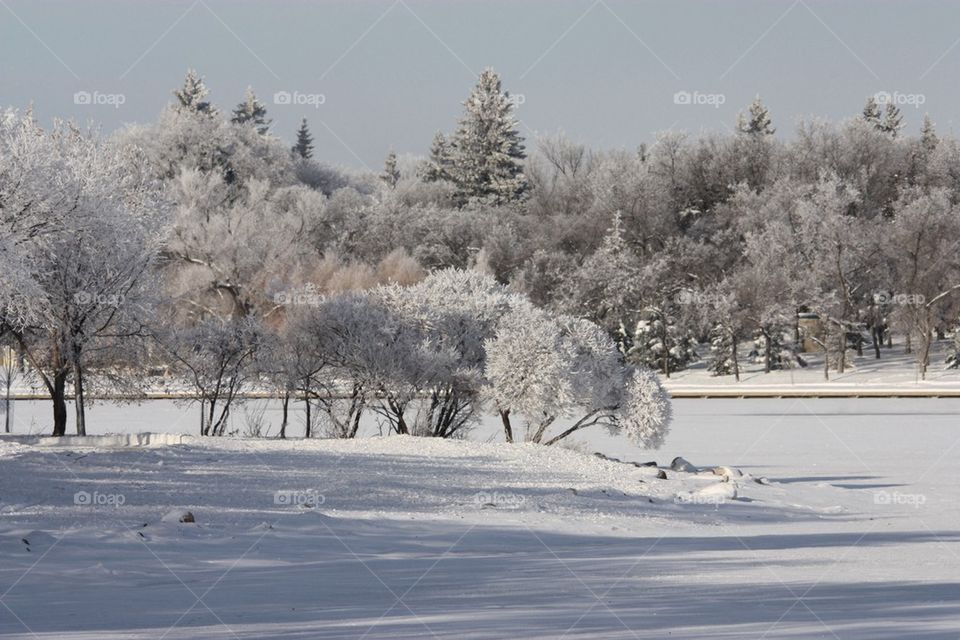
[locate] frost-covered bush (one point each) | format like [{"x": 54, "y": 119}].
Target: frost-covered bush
[{"x": 544, "y": 369}]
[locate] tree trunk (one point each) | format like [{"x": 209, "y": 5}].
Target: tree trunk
[
  {"x": 307, "y": 430},
  {"x": 842, "y": 344},
  {"x": 507, "y": 427},
  {"x": 908, "y": 344},
  {"x": 768, "y": 351},
  {"x": 59, "y": 397},
  {"x": 736, "y": 361},
  {"x": 285, "y": 404},
  {"x": 877, "y": 338},
  {"x": 8, "y": 406},
  {"x": 78, "y": 396}
]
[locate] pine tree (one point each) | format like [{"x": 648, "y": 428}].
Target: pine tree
[
  {"x": 251, "y": 110},
  {"x": 892, "y": 121},
  {"x": 304, "y": 147},
  {"x": 487, "y": 148},
  {"x": 391, "y": 173},
  {"x": 758, "y": 121},
  {"x": 721, "y": 362},
  {"x": 928, "y": 134},
  {"x": 191, "y": 97},
  {"x": 659, "y": 343},
  {"x": 437, "y": 168},
  {"x": 871, "y": 112}
]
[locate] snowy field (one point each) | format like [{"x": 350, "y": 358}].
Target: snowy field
[
  {"x": 895, "y": 372},
  {"x": 856, "y": 534}
]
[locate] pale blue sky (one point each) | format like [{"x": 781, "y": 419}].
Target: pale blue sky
[{"x": 393, "y": 72}]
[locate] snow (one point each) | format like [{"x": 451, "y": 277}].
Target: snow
[
  {"x": 894, "y": 374},
  {"x": 855, "y": 536}
]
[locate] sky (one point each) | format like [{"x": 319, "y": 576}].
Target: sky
[{"x": 370, "y": 76}]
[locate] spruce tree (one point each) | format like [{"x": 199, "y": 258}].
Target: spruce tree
[
  {"x": 191, "y": 97},
  {"x": 437, "y": 168},
  {"x": 871, "y": 112},
  {"x": 892, "y": 121},
  {"x": 251, "y": 110},
  {"x": 928, "y": 134},
  {"x": 391, "y": 173},
  {"x": 304, "y": 147},
  {"x": 487, "y": 149},
  {"x": 757, "y": 121}
]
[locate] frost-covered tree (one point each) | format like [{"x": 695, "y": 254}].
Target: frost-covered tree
[
  {"x": 925, "y": 269},
  {"x": 487, "y": 150},
  {"x": 457, "y": 311},
  {"x": 661, "y": 344},
  {"x": 192, "y": 96},
  {"x": 871, "y": 112},
  {"x": 607, "y": 288},
  {"x": 545, "y": 368},
  {"x": 757, "y": 120},
  {"x": 217, "y": 357},
  {"x": 93, "y": 270},
  {"x": 437, "y": 167},
  {"x": 303, "y": 148},
  {"x": 892, "y": 120},
  {"x": 251, "y": 111},
  {"x": 391, "y": 172}
]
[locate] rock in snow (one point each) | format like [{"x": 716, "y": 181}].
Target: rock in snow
[
  {"x": 178, "y": 515},
  {"x": 679, "y": 464}
]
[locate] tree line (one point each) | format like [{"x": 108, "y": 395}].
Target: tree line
[{"x": 203, "y": 245}]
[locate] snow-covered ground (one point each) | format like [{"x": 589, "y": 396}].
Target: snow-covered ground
[
  {"x": 894, "y": 373},
  {"x": 857, "y": 534}
]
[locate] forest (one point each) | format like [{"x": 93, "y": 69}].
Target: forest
[{"x": 525, "y": 275}]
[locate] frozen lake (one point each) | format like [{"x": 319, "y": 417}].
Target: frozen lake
[{"x": 856, "y": 536}]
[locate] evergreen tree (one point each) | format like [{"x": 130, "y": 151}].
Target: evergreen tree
[
  {"x": 871, "y": 112},
  {"x": 191, "y": 97},
  {"x": 304, "y": 146},
  {"x": 251, "y": 110},
  {"x": 721, "y": 361},
  {"x": 487, "y": 148},
  {"x": 928, "y": 134},
  {"x": 391, "y": 173},
  {"x": 892, "y": 120},
  {"x": 757, "y": 121},
  {"x": 660, "y": 343},
  {"x": 437, "y": 168}
]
